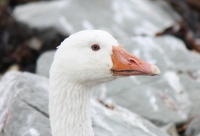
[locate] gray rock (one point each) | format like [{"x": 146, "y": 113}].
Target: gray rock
[
  {"x": 44, "y": 63},
  {"x": 24, "y": 100},
  {"x": 120, "y": 18},
  {"x": 156, "y": 97},
  {"x": 6, "y": 96},
  {"x": 192, "y": 86},
  {"x": 24, "y": 111},
  {"x": 193, "y": 128},
  {"x": 158, "y": 102}
]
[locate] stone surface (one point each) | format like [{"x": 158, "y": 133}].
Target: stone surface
[
  {"x": 156, "y": 97},
  {"x": 120, "y": 18},
  {"x": 44, "y": 63},
  {"x": 192, "y": 86},
  {"x": 6, "y": 96},
  {"x": 24, "y": 100},
  {"x": 168, "y": 95},
  {"x": 24, "y": 111},
  {"x": 193, "y": 128}
]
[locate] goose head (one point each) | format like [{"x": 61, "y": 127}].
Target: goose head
[{"x": 91, "y": 57}]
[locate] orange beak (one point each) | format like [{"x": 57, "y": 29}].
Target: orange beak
[{"x": 125, "y": 64}]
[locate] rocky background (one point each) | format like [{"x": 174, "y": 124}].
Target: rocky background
[{"x": 162, "y": 32}]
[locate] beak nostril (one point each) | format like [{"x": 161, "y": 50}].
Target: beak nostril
[{"x": 132, "y": 61}]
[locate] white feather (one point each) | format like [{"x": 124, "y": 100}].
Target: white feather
[{"x": 75, "y": 70}]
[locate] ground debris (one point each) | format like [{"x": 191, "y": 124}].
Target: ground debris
[
  {"x": 110, "y": 106},
  {"x": 190, "y": 73}
]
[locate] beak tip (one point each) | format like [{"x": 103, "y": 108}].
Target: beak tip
[{"x": 155, "y": 70}]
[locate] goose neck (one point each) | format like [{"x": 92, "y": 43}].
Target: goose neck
[{"x": 69, "y": 109}]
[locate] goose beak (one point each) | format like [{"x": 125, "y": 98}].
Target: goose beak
[{"x": 125, "y": 64}]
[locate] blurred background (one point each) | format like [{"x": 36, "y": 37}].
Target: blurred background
[
  {"x": 162, "y": 32},
  {"x": 27, "y": 31}
]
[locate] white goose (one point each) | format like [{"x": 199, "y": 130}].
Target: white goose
[{"x": 83, "y": 60}]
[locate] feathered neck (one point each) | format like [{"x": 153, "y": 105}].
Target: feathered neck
[{"x": 69, "y": 107}]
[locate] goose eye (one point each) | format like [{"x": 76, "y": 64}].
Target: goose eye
[{"x": 95, "y": 47}]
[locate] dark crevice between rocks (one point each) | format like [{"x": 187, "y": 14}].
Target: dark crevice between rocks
[
  {"x": 183, "y": 127},
  {"x": 13, "y": 3},
  {"x": 18, "y": 42},
  {"x": 182, "y": 32},
  {"x": 188, "y": 30}
]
